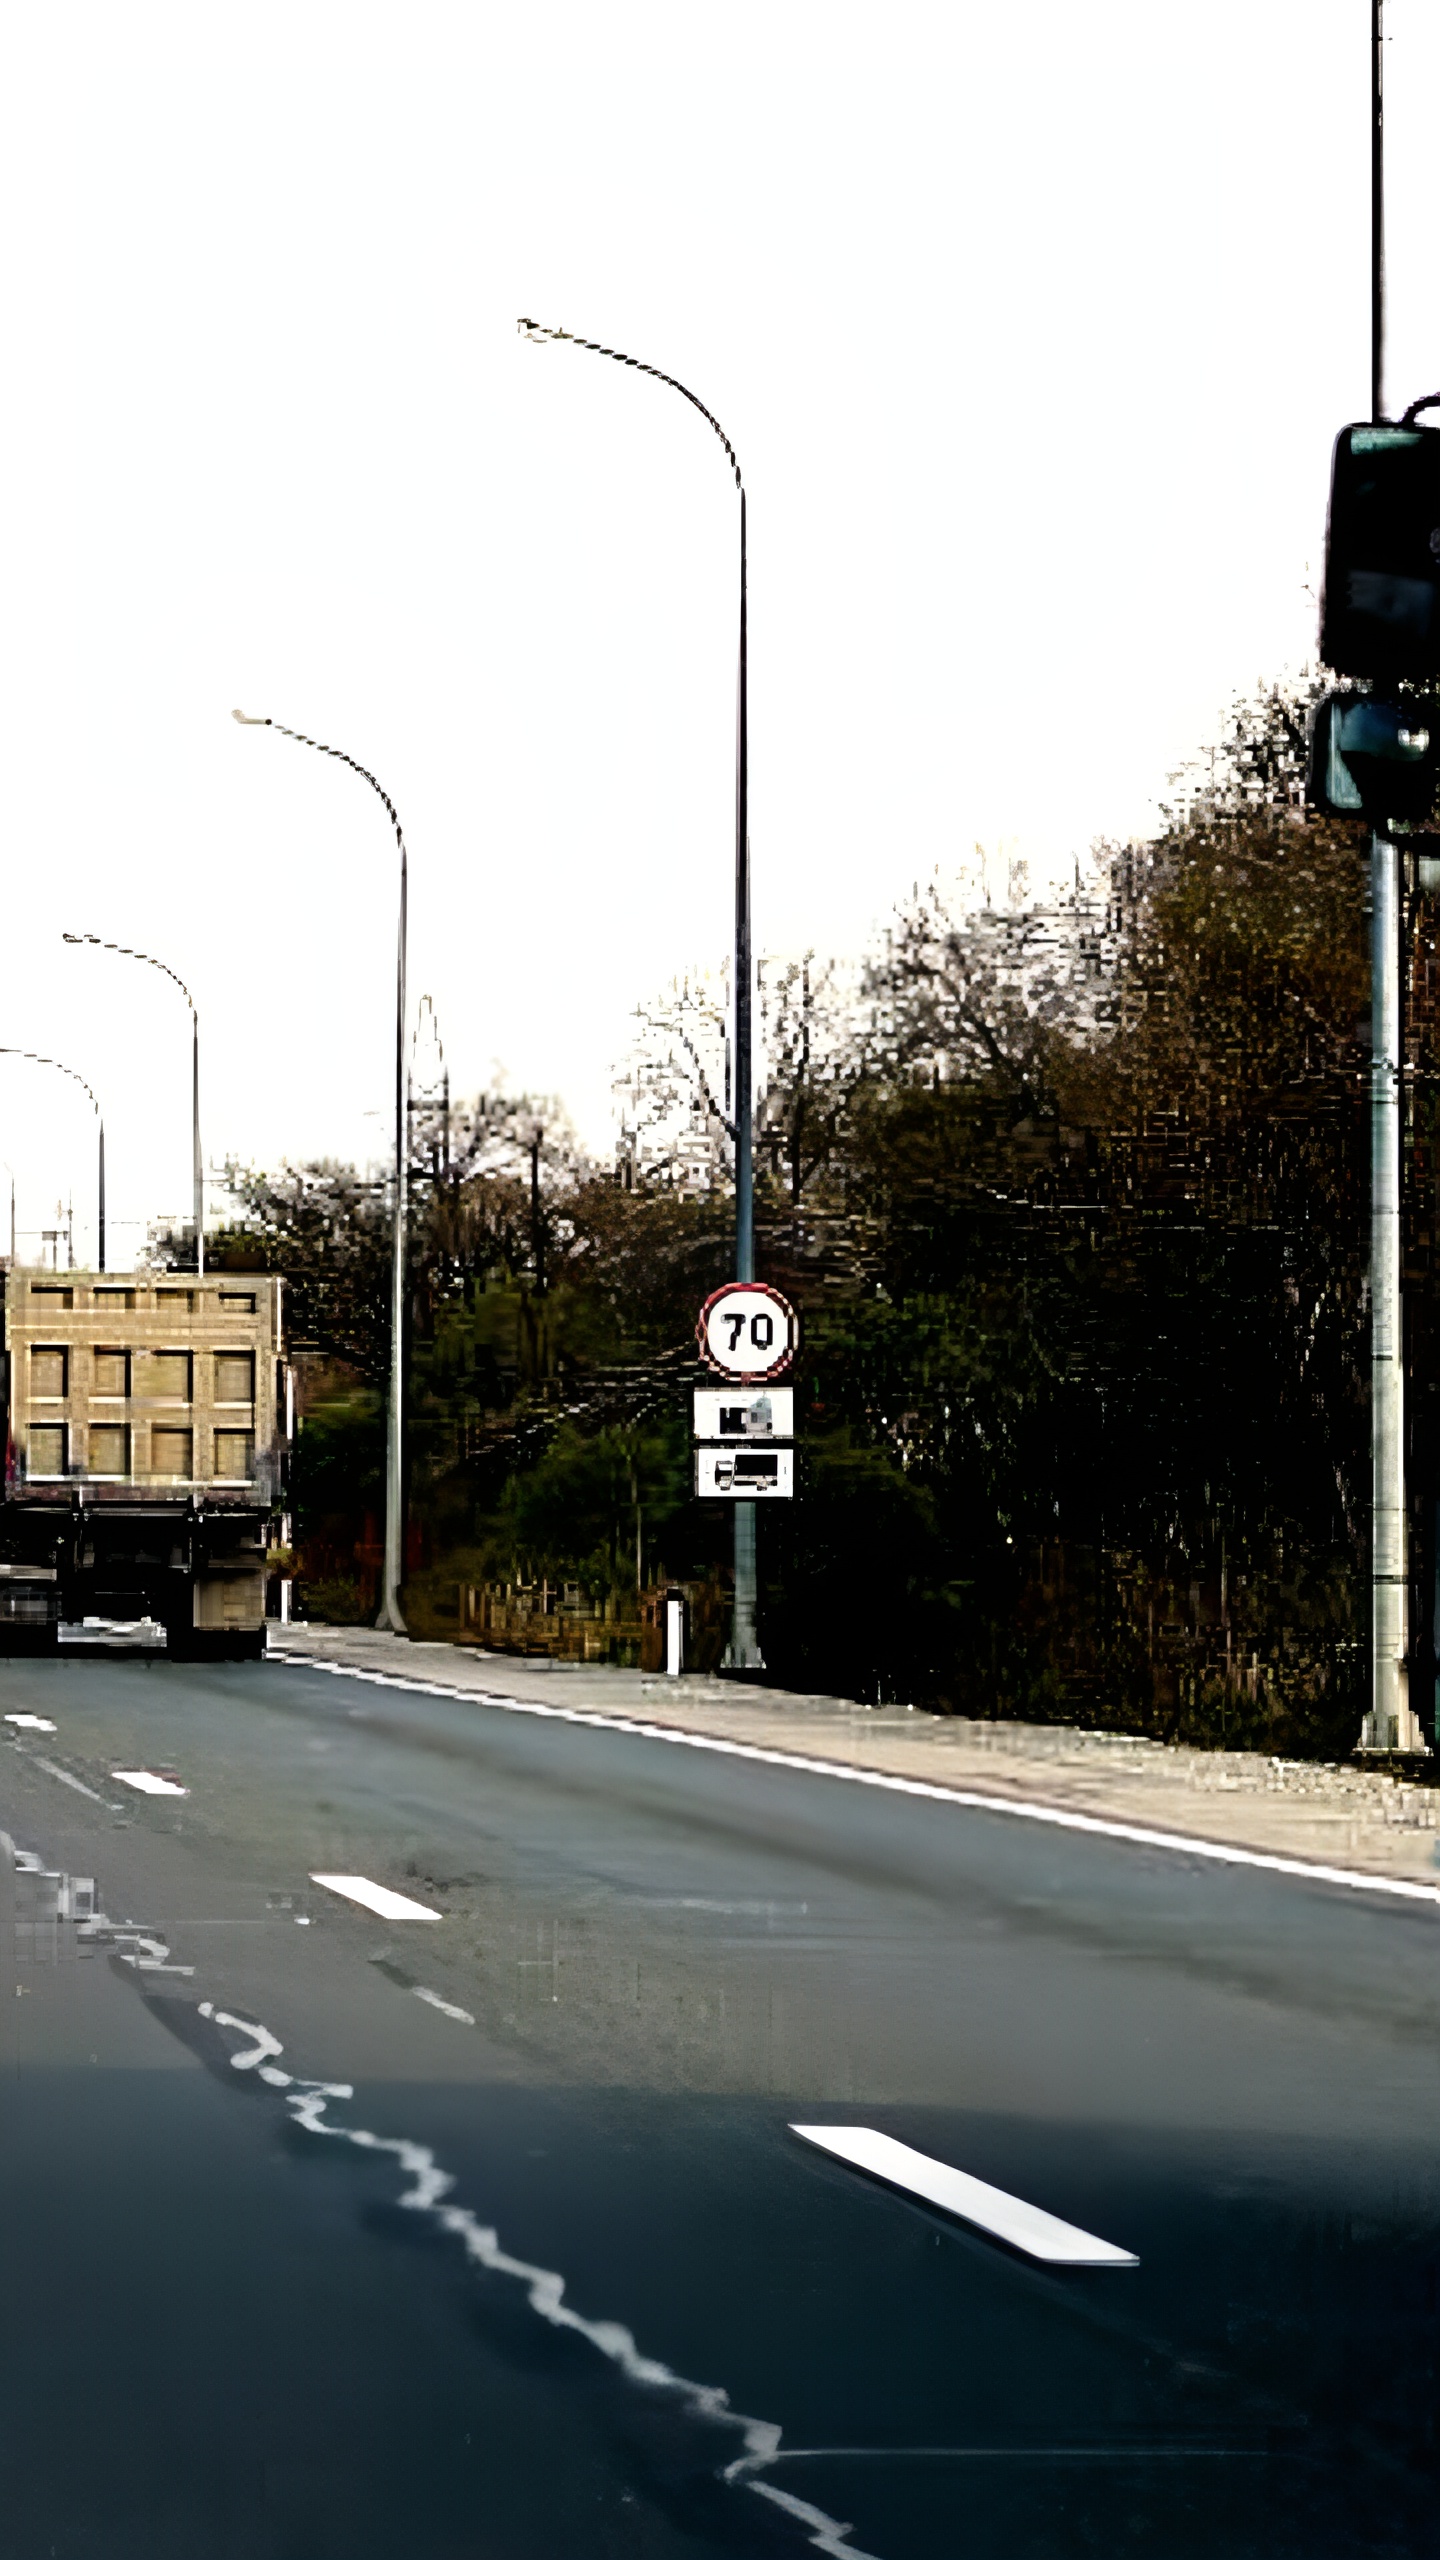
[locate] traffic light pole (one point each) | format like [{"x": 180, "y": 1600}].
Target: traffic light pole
[{"x": 1391, "y": 1724}]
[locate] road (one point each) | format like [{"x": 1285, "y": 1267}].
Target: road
[{"x": 331, "y": 2235}]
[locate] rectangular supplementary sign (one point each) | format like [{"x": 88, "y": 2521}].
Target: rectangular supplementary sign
[
  {"x": 745, "y": 1475},
  {"x": 744, "y": 1413}
]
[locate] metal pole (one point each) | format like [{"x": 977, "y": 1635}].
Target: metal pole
[
  {"x": 743, "y": 1652},
  {"x": 389, "y": 1615},
  {"x": 1391, "y": 1724},
  {"x": 196, "y": 1158},
  {"x": 1386, "y": 1725},
  {"x": 35, "y": 1059},
  {"x": 124, "y": 951},
  {"x": 1377, "y": 211}
]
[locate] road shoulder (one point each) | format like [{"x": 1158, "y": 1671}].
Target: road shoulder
[{"x": 1363, "y": 1820}]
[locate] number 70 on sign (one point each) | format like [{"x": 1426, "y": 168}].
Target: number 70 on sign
[{"x": 748, "y": 1332}]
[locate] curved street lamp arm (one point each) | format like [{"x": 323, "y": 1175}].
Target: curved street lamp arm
[
  {"x": 75, "y": 1076},
  {"x": 59, "y": 1064},
  {"x": 536, "y": 332},
  {"x": 252, "y": 720},
  {"x": 127, "y": 954}
]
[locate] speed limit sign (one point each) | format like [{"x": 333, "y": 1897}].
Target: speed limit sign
[{"x": 748, "y": 1332}]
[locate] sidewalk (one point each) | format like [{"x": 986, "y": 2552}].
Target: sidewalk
[{"x": 1360, "y": 1819}]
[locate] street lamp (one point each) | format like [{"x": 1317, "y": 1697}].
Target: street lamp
[
  {"x": 390, "y": 1613},
  {"x": 197, "y": 1170},
  {"x": 744, "y": 1652},
  {"x": 61, "y": 1069}
]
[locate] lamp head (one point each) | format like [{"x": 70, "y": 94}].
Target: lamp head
[
  {"x": 251, "y": 720},
  {"x": 537, "y": 333}
]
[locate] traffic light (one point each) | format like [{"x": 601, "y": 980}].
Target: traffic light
[
  {"x": 1380, "y": 610},
  {"x": 1381, "y": 759}
]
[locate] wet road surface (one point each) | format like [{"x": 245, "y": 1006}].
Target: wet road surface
[{"x": 325, "y": 2233}]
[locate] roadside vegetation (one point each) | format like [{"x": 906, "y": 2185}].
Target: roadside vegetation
[{"x": 1071, "y": 1192}]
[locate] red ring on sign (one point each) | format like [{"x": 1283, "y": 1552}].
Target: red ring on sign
[{"x": 775, "y": 1368}]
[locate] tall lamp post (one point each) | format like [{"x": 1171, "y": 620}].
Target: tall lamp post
[
  {"x": 390, "y": 1615},
  {"x": 744, "y": 1652},
  {"x": 197, "y": 1167},
  {"x": 61, "y": 1069}
]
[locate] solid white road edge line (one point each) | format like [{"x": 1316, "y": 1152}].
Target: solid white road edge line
[
  {"x": 1040, "y": 2235},
  {"x": 376, "y": 1897},
  {"x": 1056, "y": 1815}
]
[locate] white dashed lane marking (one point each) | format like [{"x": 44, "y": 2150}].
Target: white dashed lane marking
[
  {"x": 376, "y": 1897},
  {"x": 990, "y": 2209},
  {"x": 147, "y": 1783},
  {"x": 53, "y": 1769},
  {"x": 31, "y": 1724},
  {"x": 447, "y": 2008}
]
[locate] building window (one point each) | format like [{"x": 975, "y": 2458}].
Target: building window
[
  {"x": 234, "y": 1456},
  {"x": 234, "y": 1377},
  {"x": 53, "y": 1296},
  {"x": 170, "y": 1374},
  {"x": 172, "y": 1451},
  {"x": 175, "y": 1299},
  {"x": 112, "y": 1373},
  {"x": 238, "y": 1302},
  {"x": 49, "y": 1370},
  {"x": 49, "y": 1449},
  {"x": 115, "y": 1297},
  {"x": 109, "y": 1449}
]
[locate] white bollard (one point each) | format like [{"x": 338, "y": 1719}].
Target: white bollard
[{"x": 674, "y": 1633}]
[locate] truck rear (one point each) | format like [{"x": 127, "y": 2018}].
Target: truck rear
[{"x": 148, "y": 1421}]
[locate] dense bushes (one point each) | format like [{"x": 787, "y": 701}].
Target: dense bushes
[{"x": 1072, "y": 1197}]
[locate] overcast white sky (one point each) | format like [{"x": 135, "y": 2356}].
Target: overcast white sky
[{"x": 1032, "y": 326}]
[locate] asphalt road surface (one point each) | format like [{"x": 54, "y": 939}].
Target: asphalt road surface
[{"x": 332, "y": 2236}]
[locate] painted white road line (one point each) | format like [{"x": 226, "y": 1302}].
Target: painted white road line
[
  {"x": 376, "y": 1897},
  {"x": 1308, "y": 1870},
  {"x": 53, "y": 1769},
  {"x": 446, "y": 2008},
  {"x": 1039, "y": 2234},
  {"x": 32, "y": 1724},
  {"x": 146, "y": 1783}
]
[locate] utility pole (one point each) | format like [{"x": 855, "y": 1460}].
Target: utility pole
[{"x": 1391, "y": 1724}]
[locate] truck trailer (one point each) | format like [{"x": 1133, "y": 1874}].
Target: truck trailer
[{"x": 148, "y": 1419}]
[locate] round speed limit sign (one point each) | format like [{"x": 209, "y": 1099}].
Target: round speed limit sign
[{"x": 748, "y": 1332}]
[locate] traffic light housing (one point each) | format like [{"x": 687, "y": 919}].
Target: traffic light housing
[
  {"x": 1376, "y": 759},
  {"x": 1380, "y": 609}
]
